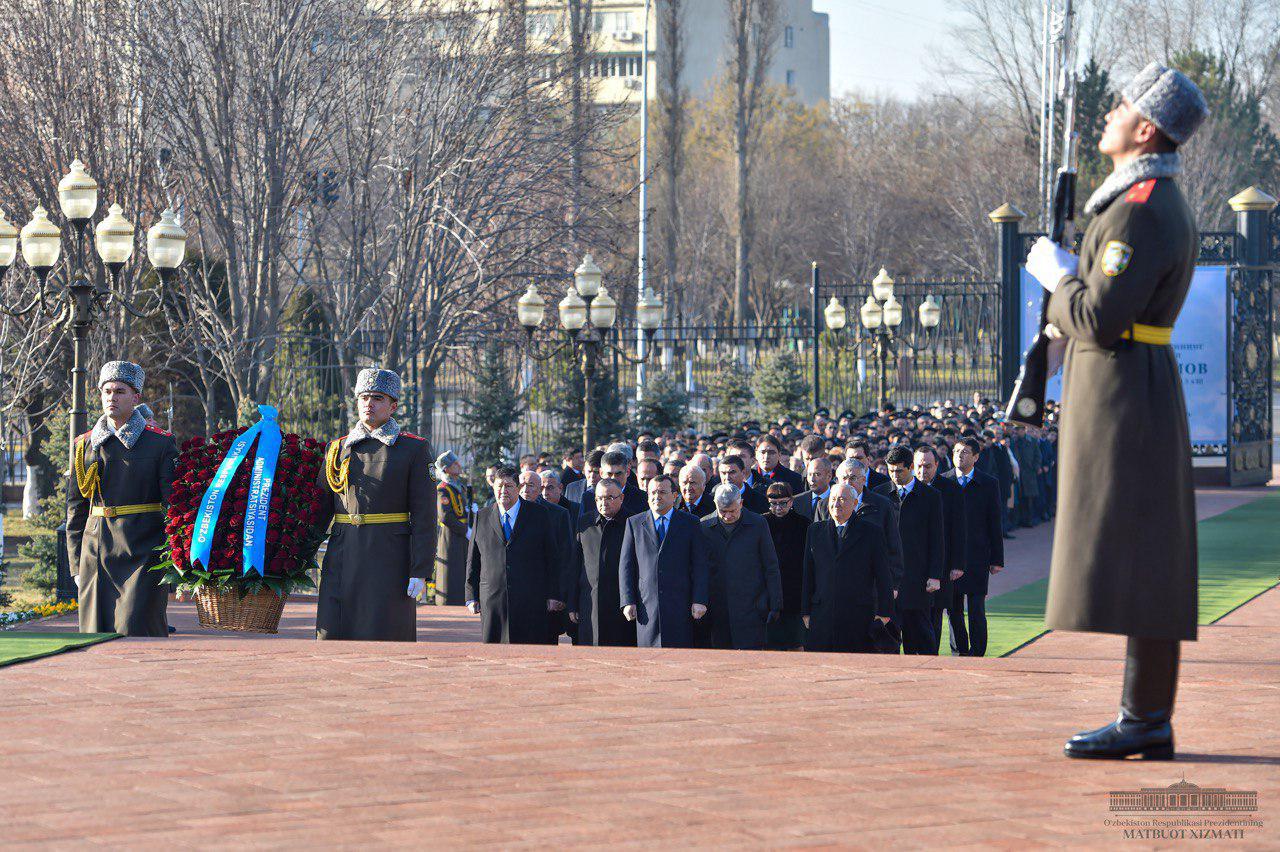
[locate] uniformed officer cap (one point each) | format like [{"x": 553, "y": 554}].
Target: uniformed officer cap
[
  {"x": 445, "y": 460},
  {"x": 1169, "y": 100},
  {"x": 122, "y": 371},
  {"x": 374, "y": 380}
]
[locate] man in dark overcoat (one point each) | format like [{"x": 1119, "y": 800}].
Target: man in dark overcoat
[
  {"x": 120, "y": 481},
  {"x": 846, "y": 579},
  {"x": 954, "y": 529},
  {"x": 984, "y": 549},
  {"x": 591, "y": 580},
  {"x": 664, "y": 574},
  {"x": 454, "y": 533},
  {"x": 769, "y": 467},
  {"x": 695, "y": 497},
  {"x": 923, "y": 551},
  {"x": 746, "y": 588},
  {"x": 1127, "y": 563},
  {"x": 875, "y": 509},
  {"x": 564, "y": 523},
  {"x": 383, "y": 543},
  {"x": 513, "y": 579}
]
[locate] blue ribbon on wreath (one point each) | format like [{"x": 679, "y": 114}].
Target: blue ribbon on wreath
[{"x": 258, "y": 510}]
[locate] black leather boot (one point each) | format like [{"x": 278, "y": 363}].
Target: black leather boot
[{"x": 1146, "y": 708}]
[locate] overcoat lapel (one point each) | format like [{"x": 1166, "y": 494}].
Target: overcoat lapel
[{"x": 851, "y": 534}]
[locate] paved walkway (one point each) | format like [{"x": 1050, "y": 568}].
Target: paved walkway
[{"x": 273, "y": 742}]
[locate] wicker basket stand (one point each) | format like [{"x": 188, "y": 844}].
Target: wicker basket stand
[{"x": 225, "y": 609}]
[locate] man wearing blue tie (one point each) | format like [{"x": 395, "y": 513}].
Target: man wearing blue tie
[
  {"x": 512, "y": 574},
  {"x": 984, "y": 549},
  {"x": 664, "y": 575}
]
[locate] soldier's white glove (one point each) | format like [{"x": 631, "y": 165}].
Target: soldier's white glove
[
  {"x": 629, "y": 612},
  {"x": 417, "y": 586},
  {"x": 1049, "y": 263}
]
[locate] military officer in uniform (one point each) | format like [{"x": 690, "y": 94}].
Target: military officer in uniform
[
  {"x": 121, "y": 476},
  {"x": 454, "y": 532},
  {"x": 1125, "y": 559},
  {"x": 384, "y": 522}
]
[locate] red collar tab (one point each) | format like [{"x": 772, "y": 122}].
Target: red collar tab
[
  {"x": 156, "y": 429},
  {"x": 1141, "y": 191}
]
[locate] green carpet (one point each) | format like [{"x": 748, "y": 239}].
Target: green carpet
[
  {"x": 16, "y": 647},
  {"x": 1239, "y": 560}
]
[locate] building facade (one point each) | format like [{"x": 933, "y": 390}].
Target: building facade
[{"x": 801, "y": 57}]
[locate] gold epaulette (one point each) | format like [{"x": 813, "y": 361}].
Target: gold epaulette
[
  {"x": 88, "y": 479},
  {"x": 335, "y": 468}
]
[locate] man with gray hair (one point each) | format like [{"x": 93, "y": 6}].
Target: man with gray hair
[
  {"x": 1128, "y": 565},
  {"x": 695, "y": 498},
  {"x": 877, "y": 510},
  {"x": 746, "y": 586}
]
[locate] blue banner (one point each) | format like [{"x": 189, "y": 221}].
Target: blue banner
[
  {"x": 1199, "y": 343},
  {"x": 258, "y": 510},
  {"x": 211, "y": 503}
]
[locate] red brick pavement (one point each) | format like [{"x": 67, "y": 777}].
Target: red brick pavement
[{"x": 274, "y": 742}]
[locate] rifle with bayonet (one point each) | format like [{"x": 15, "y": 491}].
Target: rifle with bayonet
[{"x": 1027, "y": 403}]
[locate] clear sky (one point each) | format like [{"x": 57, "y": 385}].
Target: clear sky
[{"x": 885, "y": 46}]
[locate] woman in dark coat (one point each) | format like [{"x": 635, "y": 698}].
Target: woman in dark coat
[{"x": 789, "y": 529}]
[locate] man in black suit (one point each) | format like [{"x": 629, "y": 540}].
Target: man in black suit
[
  {"x": 984, "y": 549},
  {"x": 846, "y": 579},
  {"x": 770, "y": 468},
  {"x": 812, "y": 504},
  {"x": 746, "y": 587},
  {"x": 953, "y": 529},
  {"x": 923, "y": 551},
  {"x": 574, "y": 491},
  {"x": 734, "y": 472},
  {"x": 861, "y": 451},
  {"x": 664, "y": 575},
  {"x": 513, "y": 579},
  {"x": 571, "y": 464},
  {"x": 590, "y": 581},
  {"x": 616, "y": 466},
  {"x": 996, "y": 462},
  {"x": 695, "y": 497},
  {"x": 876, "y": 509}
]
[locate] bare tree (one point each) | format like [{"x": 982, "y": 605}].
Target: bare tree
[
  {"x": 673, "y": 98},
  {"x": 753, "y": 32}
]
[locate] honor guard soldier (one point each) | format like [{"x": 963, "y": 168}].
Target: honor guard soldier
[
  {"x": 121, "y": 475},
  {"x": 384, "y": 522},
  {"x": 1125, "y": 561},
  {"x": 454, "y": 532}
]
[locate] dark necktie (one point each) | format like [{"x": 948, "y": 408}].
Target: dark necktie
[
  {"x": 661, "y": 528},
  {"x": 506, "y": 526},
  {"x": 902, "y": 494}
]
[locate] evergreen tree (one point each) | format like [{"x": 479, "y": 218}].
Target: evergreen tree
[
  {"x": 665, "y": 405},
  {"x": 491, "y": 420},
  {"x": 1094, "y": 99},
  {"x": 728, "y": 395},
  {"x": 779, "y": 386},
  {"x": 563, "y": 397}
]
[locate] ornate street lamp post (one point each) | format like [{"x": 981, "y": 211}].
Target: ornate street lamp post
[
  {"x": 77, "y": 285},
  {"x": 881, "y": 316},
  {"x": 587, "y": 313}
]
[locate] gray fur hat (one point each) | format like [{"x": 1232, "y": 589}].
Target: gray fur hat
[
  {"x": 1169, "y": 100},
  {"x": 122, "y": 371},
  {"x": 373, "y": 380},
  {"x": 444, "y": 460}
]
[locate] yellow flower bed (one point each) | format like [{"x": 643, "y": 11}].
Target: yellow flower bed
[{"x": 8, "y": 619}]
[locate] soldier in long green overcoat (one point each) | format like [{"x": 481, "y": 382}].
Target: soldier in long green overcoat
[
  {"x": 1124, "y": 551},
  {"x": 122, "y": 473},
  {"x": 383, "y": 511}
]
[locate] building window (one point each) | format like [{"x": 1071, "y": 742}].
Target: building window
[
  {"x": 791, "y": 79},
  {"x": 542, "y": 25},
  {"x": 612, "y": 22},
  {"x": 789, "y": 37}
]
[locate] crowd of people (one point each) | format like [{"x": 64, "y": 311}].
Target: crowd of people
[{"x": 842, "y": 533}]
